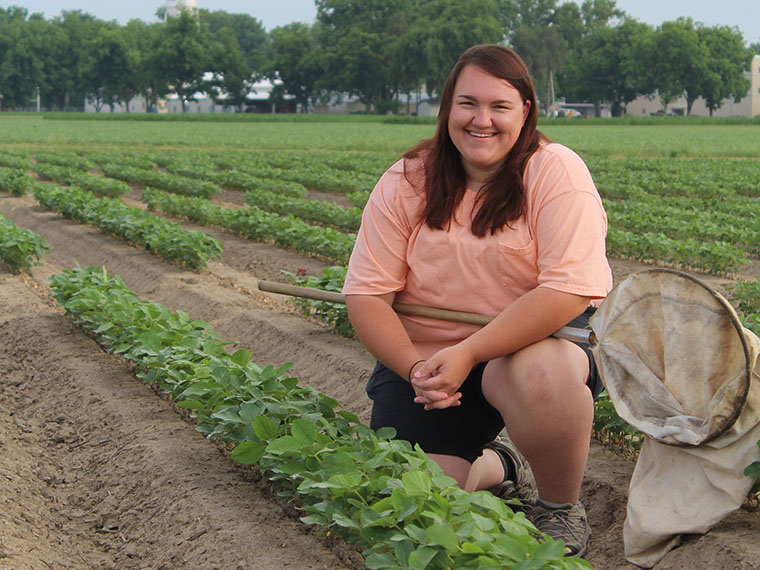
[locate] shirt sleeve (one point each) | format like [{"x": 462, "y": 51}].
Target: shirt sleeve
[
  {"x": 378, "y": 262},
  {"x": 570, "y": 225}
]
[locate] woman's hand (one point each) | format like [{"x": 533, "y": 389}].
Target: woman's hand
[{"x": 437, "y": 381}]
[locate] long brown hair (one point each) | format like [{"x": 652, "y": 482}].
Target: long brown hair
[{"x": 503, "y": 196}]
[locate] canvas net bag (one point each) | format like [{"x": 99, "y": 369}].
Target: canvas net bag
[{"x": 679, "y": 367}]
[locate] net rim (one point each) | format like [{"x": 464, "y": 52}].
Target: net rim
[{"x": 739, "y": 329}]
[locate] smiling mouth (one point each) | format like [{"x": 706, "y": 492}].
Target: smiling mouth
[{"x": 481, "y": 135}]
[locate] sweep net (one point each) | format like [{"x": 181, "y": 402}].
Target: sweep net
[
  {"x": 680, "y": 368},
  {"x": 673, "y": 356}
]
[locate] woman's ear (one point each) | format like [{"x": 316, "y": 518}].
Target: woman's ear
[{"x": 526, "y": 110}]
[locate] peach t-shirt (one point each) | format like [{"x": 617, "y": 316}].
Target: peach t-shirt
[{"x": 559, "y": 243}]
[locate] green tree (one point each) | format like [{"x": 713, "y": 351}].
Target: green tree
[
  {"x": 28, "y": 64},
  {"x": 111, "y": 68},
  {"x": 72, "y": 32},
  {"x": 518, "y": 14},
  {"x": 232, "y": 75},
  {"x": 568, "y": 21},
  {"x": 544, "y": 51},
  {"x": 252, "y": 39},
  {"x": 534, "y": 35},
  {"x": 600, "y": 13},
  {"x": 152, "y": 82},
  {"x": 608, "y": 67},
  {"x": 678, "y": 62},
  {"x": 356, "y": 38},
  {"x": 296, "y": 64},
  {"x": 727, "y": 61},
  {"x": 181, "y": 55},
  {"x": 443, "y": 29}
]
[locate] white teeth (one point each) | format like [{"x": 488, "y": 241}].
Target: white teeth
[{"x": 481, "y": 135}]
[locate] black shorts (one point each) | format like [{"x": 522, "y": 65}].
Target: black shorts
[{"x": 462, "y": 430}]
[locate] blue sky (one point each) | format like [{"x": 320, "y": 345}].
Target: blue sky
[{"x": 745, "y": 14}]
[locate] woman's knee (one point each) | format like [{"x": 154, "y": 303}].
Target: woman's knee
[{"x": 539, "y": 372}]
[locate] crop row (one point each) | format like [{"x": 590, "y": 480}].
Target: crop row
[
  {"x": 380, "y": 494},
  {"x": 163, "y": 180},
  {"x": 256, "y": 224},
  {"x": 20, "y": 247},
  {"x": 163, "y": 237},
  {"x": 67, "y": 159},
  {"x": 13, "y": 160},
  {"x": 698, "y": 214},
  {"x": 658, "y": 248},
  {"x": 332, "y": 172},
  {"x": 15, "y": 181},
  {"x": 101, "y": 185},
  {"x": 305, "y": 171},
  {"x": 703, "y": 179},
  {"x": 238, "y": 180},
  {"x": 317, "y": 211}
]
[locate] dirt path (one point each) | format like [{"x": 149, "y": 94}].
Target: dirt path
[{"x": 97, "y": 471}]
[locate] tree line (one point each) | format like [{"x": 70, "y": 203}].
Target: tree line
[{"x": 374, "y": 50}]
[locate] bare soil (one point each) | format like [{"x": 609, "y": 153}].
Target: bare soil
[{"x": 97, "y": 471}]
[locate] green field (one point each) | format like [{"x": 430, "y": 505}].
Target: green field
[
  {"x": 683, "y": 194},
  {"x": 589, "y": 138}
]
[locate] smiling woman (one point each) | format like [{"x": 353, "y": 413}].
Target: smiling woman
[
  {"x": 487, "y": 216},
  {"x": 485, "y": 122}
]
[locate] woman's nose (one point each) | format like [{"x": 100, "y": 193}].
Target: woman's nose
[{"x": 482, "y": 117}]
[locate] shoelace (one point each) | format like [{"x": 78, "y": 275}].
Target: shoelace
[{"x": 556, "y": 522}]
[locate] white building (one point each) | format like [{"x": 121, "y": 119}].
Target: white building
[
  {"x": 749, "y": 106},
  {"x": 257, "y": 101},
  {"x": 172, "y": 8}
]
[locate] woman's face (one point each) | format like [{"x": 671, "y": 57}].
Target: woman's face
[{"x": 487, "y": 115}]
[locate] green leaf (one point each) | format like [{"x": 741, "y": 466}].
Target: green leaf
[
  {"x": 248, "y": 452},
  {"x": 284, "y": 444},
  {"x": 199, "y": 389},
  {"x": 221, "y": 374},
  {"x": 249, "y": 411},
  {"x": 304, "y": 431},
  {"x": 753, "y": 470},
  {"x": 403, "y": 504},
  {"x": 421, "y": 557},
  {"x": 471, "y": 548},
  {"x": 265, "y": 429},
  {"x": 242, "y": 357},
  {"x": 104, "y": 327},
  {"x": 547, "y": 552},
  {"x": 386, "y": 433},
  {"x": 191, "y": 404},
  {"x": 228, "y": 415},
  {"x": 442, "y": 534},
  {"x": 378, "y": 561},
  {"x": 416, "y": 482},
  {"x": 315, "y": 518}
]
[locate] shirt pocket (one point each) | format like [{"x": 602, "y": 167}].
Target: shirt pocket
[{"x": 518, "y": 259}]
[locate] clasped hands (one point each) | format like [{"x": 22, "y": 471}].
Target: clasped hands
[{"x": 436, "y": 383}]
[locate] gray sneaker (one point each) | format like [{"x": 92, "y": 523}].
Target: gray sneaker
[
  {"x": 522, "y": 486},
  {"x": 565, "y": 522}
]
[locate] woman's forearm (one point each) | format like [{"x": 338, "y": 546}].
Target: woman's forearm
[
  {"x": 532, "y": 317},
  {"x": 381, "y": 331}
]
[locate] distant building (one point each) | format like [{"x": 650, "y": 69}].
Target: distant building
[
  {"x": 172, "y": 8},
  {"x": 749, "y": 106},
  {"x": 580, "y": 110},
  {"x": 257, "y": 101}
]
